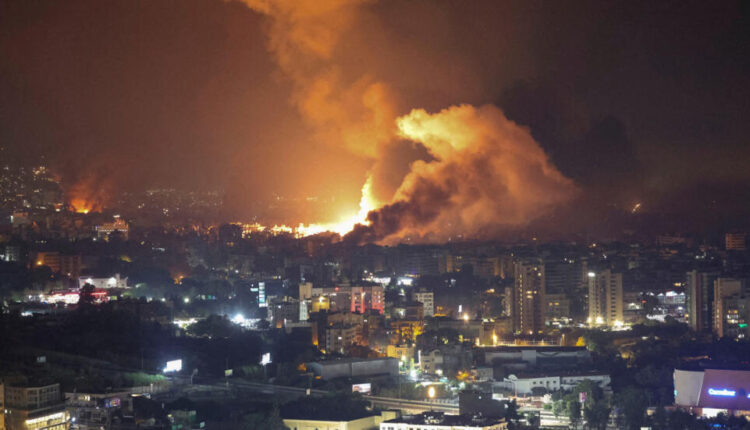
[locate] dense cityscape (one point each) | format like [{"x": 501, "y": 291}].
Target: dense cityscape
[
  {"x": 124, "y": 322},
  {"x": 374, "y": 215}
]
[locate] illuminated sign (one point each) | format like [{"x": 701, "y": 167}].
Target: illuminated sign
[
  {"x": 362, "y": 388},
  {"x": 722, "y": 392},
  {"x": 55, "y": 416},
  {"x": 262, "y": 295},
  {"x": 265, "y": 359},
  {"x": 173, "y": 366}
]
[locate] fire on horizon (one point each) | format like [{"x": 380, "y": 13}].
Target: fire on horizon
[{"x": 417, "y": 119}]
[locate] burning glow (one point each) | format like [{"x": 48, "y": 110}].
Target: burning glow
[
  {"x": 81, "y": 206},
  {"x": 484, "y": 172},
  {"x": 347, "y": 223},
  {"x": 343, "y": 226}
]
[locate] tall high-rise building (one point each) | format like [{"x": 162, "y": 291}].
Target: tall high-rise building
[
  {"x": 735, "y": 241},
  {"x": 729, "y": 306},
  {"x": 699, "y": 299},
  {"x": 605, "y": 298},
  {"x": 563, "y": 275},
  {"x": 528, "y": 296}
]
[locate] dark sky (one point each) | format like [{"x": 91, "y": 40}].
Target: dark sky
[{"x": 633, "y": 100}]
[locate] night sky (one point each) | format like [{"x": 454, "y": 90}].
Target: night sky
[{"x": 632, "y": 101}]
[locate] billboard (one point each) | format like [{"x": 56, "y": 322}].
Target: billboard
[
  {"x": 265, "y": 359},
  {"x": 173, "y": 366},
  {"x": 362, "y": 388}
]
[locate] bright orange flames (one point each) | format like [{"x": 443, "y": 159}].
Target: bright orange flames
[
  {"x": 346, "y": 223},
  {"x": 81, "y": 206},
  {"x": 341, "y": 227}
]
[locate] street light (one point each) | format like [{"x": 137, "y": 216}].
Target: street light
[{"x": 431, "y": 392}]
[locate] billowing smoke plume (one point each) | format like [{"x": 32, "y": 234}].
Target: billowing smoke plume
[
  {"x": 483, "y": 172},
  {"x": 488, "y": 174},
  {"x": 358, "y": 112}
]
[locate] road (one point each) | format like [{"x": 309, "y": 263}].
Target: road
[
  {"x": 219, "y": 389},
  {"x": 216, "y": 389}
]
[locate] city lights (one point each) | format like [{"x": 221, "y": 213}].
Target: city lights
[{"x": 477, "y": 215}]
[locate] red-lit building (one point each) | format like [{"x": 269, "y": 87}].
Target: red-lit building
[{"x": 367, "y": 298}]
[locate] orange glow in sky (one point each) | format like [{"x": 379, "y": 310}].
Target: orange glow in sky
[{"x": 81, "y": 206}]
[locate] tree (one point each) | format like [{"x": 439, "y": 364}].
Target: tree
[
  {"x": 574, "y": 412},
  {"x": 264, "y": 420},
  {"x": 214, "y": 326},
  {"x": 558, "y": 407},
  {"x": 512, "y": 412},
  {"x": 660, "y": 418},
  {"x": 633, "y": 403},
  {"x": 681, "y": 420},
  {"x": 86, "y": 294},
  {"x": 597, "y": 413}
]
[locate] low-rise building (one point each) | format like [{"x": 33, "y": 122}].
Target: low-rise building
[
  {"x": 349, "y": 367},
  {"x": 96, "y": 411},
  {"x": 538, "y": 356},
  {"x": 114, "y": 281},
  {"x": 371, "y": 422},
  {"x": 427, "y": 298},
  {"x": 708, "y": 392},
  {"x": 441, "y": 421},
  {"x": 35, "y": 408},
  {"x": 540, "y": 383},
  {"x": 118, "y": 225},
  {"x": 339, "y": 337}
]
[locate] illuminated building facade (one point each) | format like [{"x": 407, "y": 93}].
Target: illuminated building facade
[
  {"x": 699, "y": 298},
  {"x": 406, "y": 330},
  {"x": 735, "y": 241},
  {"x": 49, "y": 259},
  {"x": 364, "y": 423},
  {"x": 367, "y": 298},
  {"x": 730, "y": 307},
  {"x": 104, "y": 283},
  {"x": 94, "y": 411},
  {"x": 427, "y": 298},
  {"x": 708, "y": 392},
  {"x": 118, "y": 225},
  {"x": 557, "y": 308},
  {"x": 339, "y": 337},
  {"x": 35, "y": 408},
  {"x": 528, "y": 297},
  {"x": 441, "y": 421},
  {"x": 605, "y": 298}
]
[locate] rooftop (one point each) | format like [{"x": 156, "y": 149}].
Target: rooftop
[{"x": 439, "y": 418}]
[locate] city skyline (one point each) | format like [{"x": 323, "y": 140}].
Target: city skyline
[{"x": 374, "y": 215}]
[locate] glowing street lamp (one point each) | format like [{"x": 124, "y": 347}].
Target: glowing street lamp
[{"x": 431, "y": 392}]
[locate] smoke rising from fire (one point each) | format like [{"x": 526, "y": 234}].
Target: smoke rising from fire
[
  {"x": 303, "y": 36},
  {"x": 356, "y": 113},
  {"x": 486, "y": 172}
]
